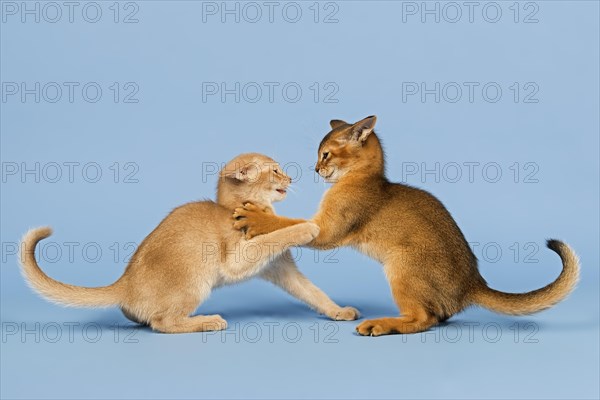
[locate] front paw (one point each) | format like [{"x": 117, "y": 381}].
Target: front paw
[
  {"x": 214, "y": 323},
  {"x": 375, "y": 327},
  {"x": 307, "y": 231},
  {"x": 313, "y": 230},
  {"x": 246, "y": 220},
  {"x": 243, "y": 225},
  {"x": 248, "y": 210},
  {"x": 345, "y": 314}
]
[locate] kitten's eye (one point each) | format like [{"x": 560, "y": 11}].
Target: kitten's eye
[{"x": 325, "y": 155}]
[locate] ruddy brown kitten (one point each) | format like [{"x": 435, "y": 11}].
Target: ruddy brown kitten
[
  {"x": 430, "y": 267},
  {"x": 193, "y": 250}
]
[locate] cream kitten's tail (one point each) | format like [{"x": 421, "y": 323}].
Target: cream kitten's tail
[
  {"x": 540, "y": 299},
  {"x": 58, "y": 292}
]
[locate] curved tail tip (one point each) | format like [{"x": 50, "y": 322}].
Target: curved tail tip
[
  {"x": 37, "y": 233},
  {"x": 554, "y": 244}
]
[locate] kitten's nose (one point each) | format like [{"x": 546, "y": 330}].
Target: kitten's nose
[{"x": 317, "y": 168}]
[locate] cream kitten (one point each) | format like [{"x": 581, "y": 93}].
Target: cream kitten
[{"x": 194, "y": 250}]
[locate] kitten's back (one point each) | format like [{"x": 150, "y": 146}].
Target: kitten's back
[{"x": 187, "y": 231}]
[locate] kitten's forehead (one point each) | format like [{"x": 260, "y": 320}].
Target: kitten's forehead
[
  {"x": 254, "y": 161},
  {"x": 262, "y": 159},
  {"x": 335, "y": 138},
  {"x": 250, "y": 158},
  {"x": 265, "y": 163}
]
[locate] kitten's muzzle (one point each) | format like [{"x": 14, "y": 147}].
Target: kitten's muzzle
[{"x": 318, "y": 167}]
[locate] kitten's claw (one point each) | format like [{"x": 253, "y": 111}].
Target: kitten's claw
[
  {"x": 251, "y": 207},
  {"x": 250, "y": 219},
  {"x": 240, "y": 224},
  {"x": 238, "y": 214}
]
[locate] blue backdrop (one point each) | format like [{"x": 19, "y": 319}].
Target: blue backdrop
[{"x": 115, "y": 113}]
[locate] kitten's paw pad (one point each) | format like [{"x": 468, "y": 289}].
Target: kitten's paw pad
[
  {"x": 214, "y": 323},
  {"x": 346, "y": 314},
  {"x": 373, "y": 327}
]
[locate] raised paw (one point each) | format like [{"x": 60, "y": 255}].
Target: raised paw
[
  {"x": 240, "y": 213},
  {"x": 345, "y": 314},
  {"x": 313, "y": 230},
  {"x": 251, "y": 219},
  {"x": 252, "y": 207},
  {"x": 240, "y": 225},
  {"x": 309, "y": 231},
  {"x": 247, "y": 209},
  {"x": 375, "y": 327}
]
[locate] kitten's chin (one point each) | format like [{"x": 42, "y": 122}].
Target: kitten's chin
[
  {"x": 333, "y": 178},
  {"x": 279, "y": 194}
]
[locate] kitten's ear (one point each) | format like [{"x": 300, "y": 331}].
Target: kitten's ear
[
  {"x": 239, "y": 173},
  {"x": 336, "y": 123},
  {"x": 363, "y": 128}
]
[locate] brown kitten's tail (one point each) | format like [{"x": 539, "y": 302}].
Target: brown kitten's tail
[
  {"x": 58, "y": 292},
  {"x": 536, "y": 300}
]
